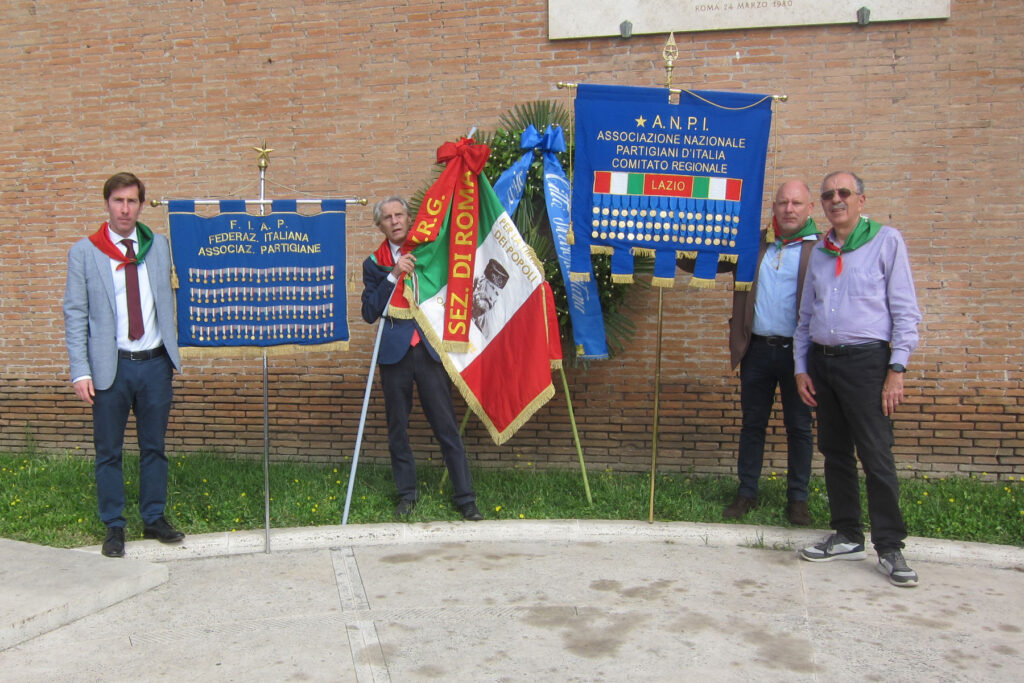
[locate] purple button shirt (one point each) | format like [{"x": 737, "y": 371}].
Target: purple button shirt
[{"x": 873, "y": 299}]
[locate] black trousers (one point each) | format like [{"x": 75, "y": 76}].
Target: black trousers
[
  {"x": 851, "y": 426},
  {"x": 765, "y": 366},
  {"x": 435, "y": 393}
]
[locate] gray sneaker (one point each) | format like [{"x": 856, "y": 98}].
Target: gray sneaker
[
  {"x": 835, "y": 547},
  {"x": 895, "y": 567}
]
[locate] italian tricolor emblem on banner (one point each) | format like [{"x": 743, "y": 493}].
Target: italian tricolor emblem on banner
[{"x": 480, "y": 296}]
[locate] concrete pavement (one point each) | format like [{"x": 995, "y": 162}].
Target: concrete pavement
[{"x": 506, "y": 601}]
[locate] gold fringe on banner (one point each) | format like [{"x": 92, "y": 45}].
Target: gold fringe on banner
[
  {"x": 702, "y": 283},
  {"x": 687, "y": 254},
  {"x": 579, "y": 277},
  {"x": 557, "y": 364},
  {"x": 728, "y": 258},
  {"x": 471, "y": 401},
  {"x": 598, "y": 249},
  {"x": 743, "y": 286},
  {"x": 207, "y": 352},
  {"x": 536, "y": 404},
  {"x": 663, "y": 281},
  {"x": 622, "y": 278},
  {"x": 455, "y": 346},
  {"x": 643, "y": 251},
  {"x": 400, "y": 313}
]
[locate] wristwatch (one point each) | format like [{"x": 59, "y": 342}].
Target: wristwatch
[{"x": 896, "y": 367}]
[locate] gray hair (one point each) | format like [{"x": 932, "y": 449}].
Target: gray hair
[
  {"x": 856, "y": 180},
  {"x": 378, "y": 208}
]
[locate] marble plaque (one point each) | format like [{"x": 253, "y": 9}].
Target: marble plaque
[{"x": 596, "y": 18}]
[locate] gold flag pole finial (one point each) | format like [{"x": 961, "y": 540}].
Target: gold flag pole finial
[
  {"x": 669, "y": 53},
  {"x": 263, "y": 160}
]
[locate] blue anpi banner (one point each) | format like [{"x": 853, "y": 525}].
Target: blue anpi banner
[
  {"x": 274, "y": 282},
  {"x": 682, "y": 180}
]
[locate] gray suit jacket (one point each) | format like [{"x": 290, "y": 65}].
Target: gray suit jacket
[{"x": 90, "y": 323}]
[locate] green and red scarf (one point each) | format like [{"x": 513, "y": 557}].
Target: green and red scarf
[
  {"x": 810, "y": 228},
  {"x": 384, "y": 257},
  {"x": 101, "y": 238},
  {"x": 862, "y": 234}
]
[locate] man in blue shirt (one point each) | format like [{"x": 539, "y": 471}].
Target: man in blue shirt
[{"x": 761, "y": 344}]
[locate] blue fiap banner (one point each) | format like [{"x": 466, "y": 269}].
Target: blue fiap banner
[
  {"x": 681, "y": 180},
  {"x": 275, "y": 282}
]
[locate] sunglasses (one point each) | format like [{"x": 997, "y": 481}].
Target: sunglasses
[{"x": 843, "y": 192}]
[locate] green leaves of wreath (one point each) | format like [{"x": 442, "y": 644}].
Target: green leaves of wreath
[{"x": 531, "y": 217}]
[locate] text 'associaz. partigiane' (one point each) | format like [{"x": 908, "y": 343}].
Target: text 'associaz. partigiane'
[{"x": 249, "y": 237}]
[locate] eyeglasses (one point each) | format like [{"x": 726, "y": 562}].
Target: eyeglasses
[{"x": 843, "y": 192}]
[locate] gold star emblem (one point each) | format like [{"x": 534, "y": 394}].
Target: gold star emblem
[
  {"x": 641, "y": 122},
  {"x": 263, "y": 160}
]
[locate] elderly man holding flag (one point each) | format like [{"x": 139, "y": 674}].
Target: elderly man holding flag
[
  {"x": 405, "y": 358},
  {"x": 462, "y": 235}
]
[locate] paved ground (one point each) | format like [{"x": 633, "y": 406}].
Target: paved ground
[{"x": 507, "y": 601}]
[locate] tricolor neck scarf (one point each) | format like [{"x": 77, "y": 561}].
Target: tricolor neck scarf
[
  {"x": 810, "y": 228},
  {"x": 384, "y": 257},
  {"x": 101, "y": 238},
  {"x": 862, "y": 234}
]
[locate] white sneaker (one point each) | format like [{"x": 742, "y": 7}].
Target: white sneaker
[
  {"x": 895, "y": 567},
  {"x": 835, "y": 547}
]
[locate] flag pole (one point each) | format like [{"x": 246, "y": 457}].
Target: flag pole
[
  {"x": 262, "y": 161},
  {"x": 669, "y": 53},
  {"x": 657, "y": 392},
  {"x": 362, "y": 421},
  {"x": 576, "y": 435}
]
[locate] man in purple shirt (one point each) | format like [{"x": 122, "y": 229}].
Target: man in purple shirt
[{"x": 856, "y": 330}]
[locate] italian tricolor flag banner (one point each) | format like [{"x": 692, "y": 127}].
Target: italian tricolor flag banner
[{"x": 480, "y": 296}]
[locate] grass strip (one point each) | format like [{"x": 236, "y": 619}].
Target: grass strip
[{"x": 51, "y": 500}]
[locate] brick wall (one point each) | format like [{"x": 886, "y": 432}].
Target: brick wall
[{"x": 354, "y": 97}]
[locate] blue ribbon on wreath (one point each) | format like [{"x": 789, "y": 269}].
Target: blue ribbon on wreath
[{"x": 584, "y": 302}]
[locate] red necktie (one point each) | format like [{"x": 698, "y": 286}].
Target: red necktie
[{"x": 131, "y": 287}]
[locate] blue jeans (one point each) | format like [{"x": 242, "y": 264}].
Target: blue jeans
[
  {"x": 765, "y": 367},
  {"x": 142, "y": 387}
]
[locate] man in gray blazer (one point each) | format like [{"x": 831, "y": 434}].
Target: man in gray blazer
[{"x": 121, "y": 334}]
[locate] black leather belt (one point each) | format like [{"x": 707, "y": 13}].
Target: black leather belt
[
  {"x": 784, "y": 342},
  {"x": 847, "y": 349},
  {"x": 142, "y": 355}
]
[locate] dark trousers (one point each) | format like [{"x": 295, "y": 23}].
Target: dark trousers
[
  {"x": 142, "y": 387},
  {"x": 851, "y": 426},
  {"x": 435, "y": 395},
  {"x": 765, "y": 367}
]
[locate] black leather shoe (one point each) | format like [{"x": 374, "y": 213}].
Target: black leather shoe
[
  {"x": 798, "y": 513},
  {"x": 470, "y": 512},
  {"x": 404, "y": 508},
  {"x": 113, "y": 546},
  {"x": 740, "y": 506},
  {"x": 162, "y": 531}
]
